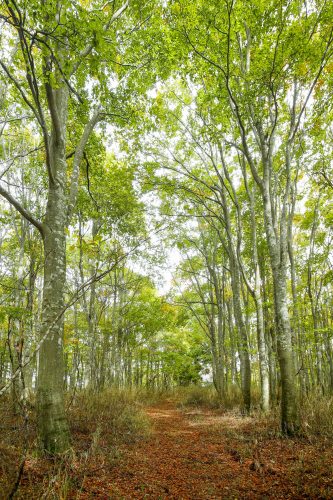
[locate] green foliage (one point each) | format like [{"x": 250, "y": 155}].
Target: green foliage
[{"x": 13, "y": 312}]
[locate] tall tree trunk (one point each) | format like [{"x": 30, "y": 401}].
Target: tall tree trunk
[
  {"x": 52, "y": 424},
  {"x": 314, "y": 298},
  {"x": 235, "y": 274},
  {"x": 278, "y": 257},
  {"x": 263, "y": 355},
  {"x": 256, "y": 293}
]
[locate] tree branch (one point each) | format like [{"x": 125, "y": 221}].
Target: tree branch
[
  {"x": 20, "y": 89},
  {"x": 78, "y": 155},
  {"x": 25, "y": 213}
]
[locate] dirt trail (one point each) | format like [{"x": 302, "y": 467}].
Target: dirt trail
[
  {"x": 178, "y": 461},
  {"x": 205, "y": 455}
]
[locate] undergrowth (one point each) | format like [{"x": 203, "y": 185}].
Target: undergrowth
[
  {"x": 117, "y": 414},
  {"x": 315, "y": 411},
  {"x": 207, "y": 397},
  {"x": 198, "y": 396},
  {"x": 316, "y": 415},
  {"x": 101, "y": 424}
]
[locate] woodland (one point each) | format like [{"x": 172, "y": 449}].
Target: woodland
[{"x": 166, "y": 264}]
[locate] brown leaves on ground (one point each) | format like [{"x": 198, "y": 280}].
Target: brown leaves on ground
[
  {"x": 203, "y": 454},
  {"x": 195, "y": 454}
]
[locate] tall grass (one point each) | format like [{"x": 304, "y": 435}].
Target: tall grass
[
  {"x": 116, "y": 415},
  {"x": 206, "y": 396},
  {"x": 316, "y": 416},
  {"x": 101, "y": 424},
  {"x": 315, "y": 411}
]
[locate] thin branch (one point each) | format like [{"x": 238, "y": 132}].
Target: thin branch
[
  {"x": 86, "y": 51},
  {"x": 323, "y": 62},
  {"x": 21, "y": 91},
  {"x": 88, "y": 181}
]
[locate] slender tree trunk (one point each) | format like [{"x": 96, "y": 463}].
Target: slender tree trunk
[
  {"x": 217, "y": 371},
  {"x": 278, "y": 251},
  {"x": 257, "y": 295},
  {"x": 314, "y": 298},
  {"x": 263, "y": 356},
  {"x": 235, "y": 274},
  {"x": 216, "y": 330},
  {"x": 245, "y": 365}
]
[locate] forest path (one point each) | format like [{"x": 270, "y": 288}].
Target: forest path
[
  {"x": 192, "y": 454},
  {"x": 178, "y": 461},
  {"x": 202, "y": 454}
]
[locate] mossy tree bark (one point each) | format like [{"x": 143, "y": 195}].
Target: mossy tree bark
[{"x": 52, "y": 424}]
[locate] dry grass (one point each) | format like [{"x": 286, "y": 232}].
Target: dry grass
[
  {"x": 115, "y": 415},
  {"x": 316, "y": 411},
  {"x": 316, "y": 414},
  {"x": 197, "y": 397},
  {"x": 207, "y": 397},
  {"x": 104, "y": 426},
  {"x": 100, "y": 425}
]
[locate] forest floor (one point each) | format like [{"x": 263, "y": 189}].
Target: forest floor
[
  {"x": 203, "y": 454},
  {"x": 194, "y": 453}
]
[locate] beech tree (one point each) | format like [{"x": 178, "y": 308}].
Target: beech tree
[{"x": 65, "y": 52}]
